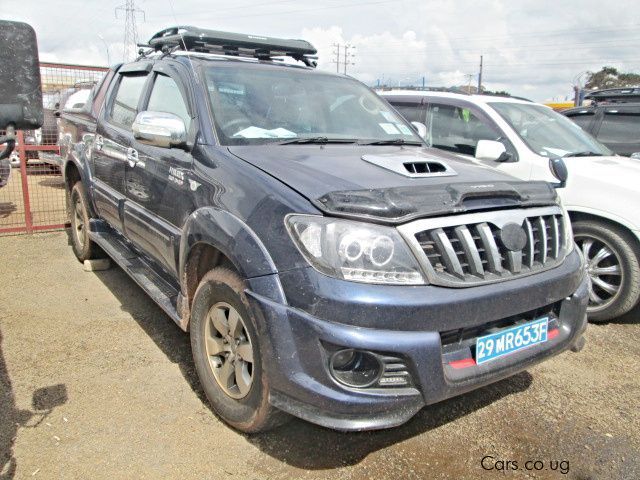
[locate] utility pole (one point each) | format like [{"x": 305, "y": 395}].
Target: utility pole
[
  {"x": 130, "y": 42},
  {"x": 336, "y": 52},
  {"x": 480, "y": 77},
  {"x": 348, "y": 56}
]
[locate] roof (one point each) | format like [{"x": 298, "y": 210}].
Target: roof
[{"x": 474, "y": 98}]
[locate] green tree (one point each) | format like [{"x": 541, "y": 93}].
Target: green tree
[{"x": 609, "y": 77}]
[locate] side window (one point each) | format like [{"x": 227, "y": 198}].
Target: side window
[
  {"x": 413, "y": 112},
  {"x": 125, "y": 103},
  {"x": 166, "y": 97},
  {"x": 619, "y": 128},
  {"x": 100, "y": 92},
  {"x": 582, "y": 119},
  {"x": 457, "y": 129}
]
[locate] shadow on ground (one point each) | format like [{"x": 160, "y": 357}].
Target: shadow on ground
[
  {"x": 43, "y": 401},
  {"x": 297, "y": 442}
]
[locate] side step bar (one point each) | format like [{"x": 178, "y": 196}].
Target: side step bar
[{"x": 160, "y": 290}]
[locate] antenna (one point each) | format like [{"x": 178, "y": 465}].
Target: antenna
[{"x": 130, "y": 43}]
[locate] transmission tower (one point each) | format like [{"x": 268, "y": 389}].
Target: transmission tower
[{"x": 130, "y": 43}]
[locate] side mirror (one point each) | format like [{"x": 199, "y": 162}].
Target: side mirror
[
  {"x": 421, "y": 128},
  {"x": 559, "y": 170},
  {"x": 636, "y": 155},
  {"x": 492, "y": 150},
  {"x": 20, "y": 89},
  {"x": 160, "y": 129}
]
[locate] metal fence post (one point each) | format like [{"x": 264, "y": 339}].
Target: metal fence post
[{"x": 28, "y": 220}]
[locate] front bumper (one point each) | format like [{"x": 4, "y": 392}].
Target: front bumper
[{"x": 296, "y": 358}]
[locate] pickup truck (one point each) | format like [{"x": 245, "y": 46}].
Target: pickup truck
[{"x": 326, "y": 264}]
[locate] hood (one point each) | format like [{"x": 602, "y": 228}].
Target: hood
[
  {"x": 620, "y": 171},
  {"x": 368, "y": 181}
]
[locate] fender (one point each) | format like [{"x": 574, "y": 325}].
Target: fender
[
  {"x": 231, "y": 236},
  {"x": 78, "y": 157},
  {"x": 605, "y": 215}
]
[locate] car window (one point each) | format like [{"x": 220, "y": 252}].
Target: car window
[
  {"x": 166, "y": 97},
  {"x": 413, "y": 112},
  {"x": 254, "y": 106},
  {"x": 457, "y": 129},
  {"x": 125, "y": 104},
  {"x": 548, "y": 133},
  {"x": 582, "y": 119},
  {"x": 620, "y": 128}
]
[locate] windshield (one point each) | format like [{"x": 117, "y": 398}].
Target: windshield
[
  {"x": 254, "y": 105},
  {"x": 548, "y": 133}
]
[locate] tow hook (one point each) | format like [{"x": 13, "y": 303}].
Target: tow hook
[{"x": 578, "y": 345}]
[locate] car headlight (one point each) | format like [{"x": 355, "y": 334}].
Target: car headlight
[{"x": 355, "y": 251}]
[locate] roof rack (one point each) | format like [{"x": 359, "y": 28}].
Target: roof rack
[
  {"x": 195, "y": 39},
  {"x": 614, "y": 95}
]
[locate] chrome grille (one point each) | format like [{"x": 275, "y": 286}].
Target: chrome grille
[{"x": 468, "y": 249}]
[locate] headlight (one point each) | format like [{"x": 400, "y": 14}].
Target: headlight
[{"x": 359, "y": 252}]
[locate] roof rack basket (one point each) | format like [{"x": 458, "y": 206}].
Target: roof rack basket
[{"x": 195, "y": 39}]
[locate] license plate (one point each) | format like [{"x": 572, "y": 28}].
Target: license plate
[{"x": 511, "y": 340}]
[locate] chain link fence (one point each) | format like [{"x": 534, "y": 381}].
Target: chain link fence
[{"x": 33, "y": 197}]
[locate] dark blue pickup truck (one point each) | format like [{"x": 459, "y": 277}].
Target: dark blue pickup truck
[{"x": 326, "y": 264}]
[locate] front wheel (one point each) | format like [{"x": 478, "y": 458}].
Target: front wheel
[
  {"x": 227, "y": 353},
  {"x": 611, "y": 262},
  {"x": 83, "y": 247}
]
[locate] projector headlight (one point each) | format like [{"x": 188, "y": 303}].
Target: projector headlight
[{"x": 354, "y": 251}]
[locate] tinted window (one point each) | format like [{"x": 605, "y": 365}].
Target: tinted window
[
  {"x": 412, "y": 112},
  {"x": 457, "y": 129},
  {"x": 125, "y": 105},
  {"x": 166, "y": 97},
  {"x": 620, "y": 128},
  {"x": 582, "y": 119},
  {"x": 100, "y": 91}
]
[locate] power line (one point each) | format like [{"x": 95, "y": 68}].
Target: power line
[{"x": 130, "y": 43}]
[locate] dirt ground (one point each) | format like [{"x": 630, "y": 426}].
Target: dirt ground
[{"x": 97, "y": 382}]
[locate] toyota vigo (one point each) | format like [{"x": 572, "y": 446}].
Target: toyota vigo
[{"x": 325, "y": 262}]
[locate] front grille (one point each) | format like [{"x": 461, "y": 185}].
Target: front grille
[{"x": 470, "y": 250}]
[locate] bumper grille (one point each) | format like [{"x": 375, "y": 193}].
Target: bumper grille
[{"x": 473, "y": 249}]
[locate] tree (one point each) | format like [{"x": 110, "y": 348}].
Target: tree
[{"x": 609, "y": 77}]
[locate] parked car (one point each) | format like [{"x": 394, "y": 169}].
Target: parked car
[
  {"x": 325, "y": 263},
  {"x": 613, "y": 118},
  {"x": 519, "y": 137}
]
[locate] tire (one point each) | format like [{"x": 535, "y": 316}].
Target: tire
[
  {"x": 621, "y": 280},
  {"x": 218, "y": 296},
  {"x": 83, "y": 247}
]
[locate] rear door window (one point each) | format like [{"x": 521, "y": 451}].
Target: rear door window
[
  {"x": 125, "y": 104},
  {"x": 620, "y": 127}
]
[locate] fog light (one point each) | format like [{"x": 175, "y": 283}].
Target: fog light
[{"x": 355, "y": 368}]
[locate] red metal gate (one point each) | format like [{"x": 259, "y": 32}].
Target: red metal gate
[{"x": 34, "y": 198}]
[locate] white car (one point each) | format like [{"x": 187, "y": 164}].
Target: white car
[{"x": 517, "y": 136}]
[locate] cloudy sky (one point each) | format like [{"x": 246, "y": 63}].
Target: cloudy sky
[{"x": 535, "y": 49}]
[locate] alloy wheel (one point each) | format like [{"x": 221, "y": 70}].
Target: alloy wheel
[
  {"x": 78, "y": 222},
  {"x": 604, "y": 271},
  {"x": 229, "y": 350}
]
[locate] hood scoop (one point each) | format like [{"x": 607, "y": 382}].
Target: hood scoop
[{"x": 412, "y": 166}]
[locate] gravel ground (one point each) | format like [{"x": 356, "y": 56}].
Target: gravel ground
[{"x": 95, "y": 381}]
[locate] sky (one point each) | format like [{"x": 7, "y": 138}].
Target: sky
[{"x": 536, "y": 49}]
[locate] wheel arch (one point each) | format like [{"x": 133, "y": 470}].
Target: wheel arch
[{"x": 577, "y": 215}]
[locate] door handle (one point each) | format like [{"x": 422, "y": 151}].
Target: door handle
[
  {"x": 132, "y": 157},
  {"x": 99, "y": 142}
]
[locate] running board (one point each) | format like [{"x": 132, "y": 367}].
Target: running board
[{"x": 160, "y": 291}]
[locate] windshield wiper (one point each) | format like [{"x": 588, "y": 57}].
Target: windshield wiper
[
  {"x": 582, "y": 154},
  {"x": 319, "y": 140},
  {"x": 395, "y": 141}
]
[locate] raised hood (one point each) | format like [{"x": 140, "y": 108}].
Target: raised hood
[{"x": 360, "y": 181}]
